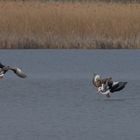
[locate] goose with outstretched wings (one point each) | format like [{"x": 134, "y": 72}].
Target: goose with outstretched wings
[
  {"x": 107, "y": 86},
  {"x": 16, "y": 70}
]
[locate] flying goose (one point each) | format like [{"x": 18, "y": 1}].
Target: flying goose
[
  {"x": 17, "y": 71},
  {"x": 107, "y": 86}
]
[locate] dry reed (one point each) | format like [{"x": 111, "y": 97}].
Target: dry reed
[{"x": 69, "y": 25}]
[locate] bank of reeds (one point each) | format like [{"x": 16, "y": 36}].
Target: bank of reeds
[{"x": 69, "y": 25}]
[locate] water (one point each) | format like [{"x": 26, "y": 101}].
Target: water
[{"x": 58, "y": 102}]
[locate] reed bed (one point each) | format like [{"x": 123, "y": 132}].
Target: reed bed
[{"x": 69, "y": 25}]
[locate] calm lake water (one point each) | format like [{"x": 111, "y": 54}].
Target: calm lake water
[{"x": 58, "y": 102}]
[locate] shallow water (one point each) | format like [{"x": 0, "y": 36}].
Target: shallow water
[{"x": 58, "y": 102}]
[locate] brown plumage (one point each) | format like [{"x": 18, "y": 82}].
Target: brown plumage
[{"x": 106, "y": 82}]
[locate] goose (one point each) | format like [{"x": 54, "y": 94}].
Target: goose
[
  {"x": 16, "y": 70},
  {"x": 107, "y": 86}
]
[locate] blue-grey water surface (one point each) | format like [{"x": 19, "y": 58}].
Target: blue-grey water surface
[{"x": 58, "y": 102}]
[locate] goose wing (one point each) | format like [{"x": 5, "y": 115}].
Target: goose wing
[
  {"x": 19, "y": 72},
  {"x": 1, "y": 65}
]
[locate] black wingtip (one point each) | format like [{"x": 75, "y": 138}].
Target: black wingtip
[
  {"x": 1, "y": 65},
  {"x": 125, "y": 83}
]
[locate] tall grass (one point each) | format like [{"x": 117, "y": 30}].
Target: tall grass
[{"x": 69, "y": 25}]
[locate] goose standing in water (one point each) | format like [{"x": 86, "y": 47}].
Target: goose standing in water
[{"x": 17, "y": 71}]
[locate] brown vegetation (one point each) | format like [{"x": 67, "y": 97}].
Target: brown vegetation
[{"x": 69, "y": 25}]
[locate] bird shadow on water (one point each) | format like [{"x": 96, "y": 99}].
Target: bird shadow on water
[
  {"x": 119, "y": 99},
  {"x": 111, "y": 100},
  {"x": 115, "y": 100}
]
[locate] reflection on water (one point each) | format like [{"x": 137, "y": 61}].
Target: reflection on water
[
  {"x": 58, "y": 102},
  {"x": 113, "y": 100}
]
